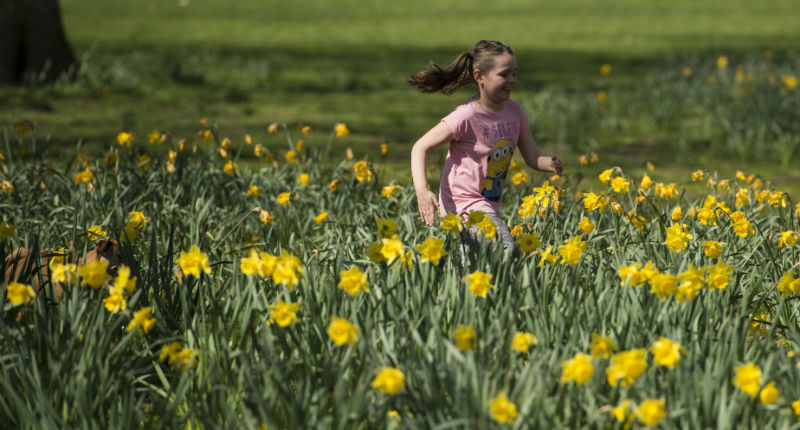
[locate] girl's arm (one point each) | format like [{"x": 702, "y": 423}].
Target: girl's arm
[
  {"x": 535, "y": 159},
  {"x": 426, "y": 199}
]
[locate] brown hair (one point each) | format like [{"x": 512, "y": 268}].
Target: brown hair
[{"x": 459, "y": 72}]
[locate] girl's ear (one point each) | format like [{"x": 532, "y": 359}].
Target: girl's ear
[{"x": 476, "y": 74}]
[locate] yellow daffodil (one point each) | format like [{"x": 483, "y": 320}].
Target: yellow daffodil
[
  {"x": 718, "y": 276},
  {"x": 391, "y": 191},
  {"x": 478, "y": 283},
  {"x": 83, "y": 176},
  {"x": 387, "y": 227},
  {"x": 353, "y": 280},
  {"x": 154, "y": 136},
  {"x": 601, "y": 346},
  {"x": 788, "y": 239},
  {"x": 341, "y": 331},
  {"x": 124, "y": 138},
  {"x": 626, "y": 367},
  {"x": 571, "y": 251},
  {"x": 96, "y": 232},
  {"x": 519, "y": 177},
  {"x": 135, "y": 225},
  {"x": 502, "y": 409},
  {"x": 19, "y": 294},
  {"x": 487, "y": 227},
  {"x": 650, "y": 412},
  {"x": 284, "y": 314},
  {"x": 452, "y": 222},
  {"x": 7, "y": 229},
  {"x": 266, "y": 264},
  {"x": 363, "y": 171},
  {"x": 605, "y": 175},
  {"x": 620, "y": 412},
  {"x": 788, "y": 285},
  {"x": 264, "y": 216},
  {"x": 586, "y": 226},
  {"x": 522, "y": 341},
  {"x": 184, "y": 359},
  {"x": 638, "y": 221},
  {"x": 677, "y": 238},
  {"x": 143, "y": 162},
  {"x": 94, "y": 274},
  {"x": 374, "y": 252},
  {"x": 334, "y": 185},
  {"x": 646, "y": 182},
  {"x": 712, "y": 249},
  {"x": 392, "y": 249},
  {"x": 630, "y": 275},
  {"x": 249, "y": 265},
  {"x": 124, "y": 282},
  {"x": 322, "y": 217},
  {"x": 796, "y": 409},
  {"x": 287, "y": 270},
  {"x": 620, "y": 184},
  {"x": 432, "y": 250},
  {"x": 194, "y": 261},
  {"x": 747, "y": 378},
  {"x": 169, "y": 351},
  {"x": 769, "y": 394},
  {"x": 284, "y": 198},
  {"x": 593, "y": 202},
  {"x": 528, "y": 242},
  {"x": 691, "y": 282},
  {"x": 303, "y": 179},
  {"x": 231, "y": 167},
  {"x": 676, "y": 213},
  {"x": 475, "y": 218},
  {"x": 115, "y": 303},
  {"x": 61, "y": 272},
  {"x": 547, "y": 256},
  {"x": 341, "y": 129},
  {"x": 578, "y": 369},
  {"x": 389, "y": 380},
  {"x": 741, "y": 226},
  {"x": 142, "y": 320},
  {"x": 666, "y": 352},
  {"x": 465, "y": 337}
]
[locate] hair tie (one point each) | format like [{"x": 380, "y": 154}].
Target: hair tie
[{"x": 472, "y": 55}]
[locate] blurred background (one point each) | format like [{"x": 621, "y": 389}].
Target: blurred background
[{"x": 683, "y": 84}]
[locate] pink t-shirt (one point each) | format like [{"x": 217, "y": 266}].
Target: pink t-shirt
[{"x": 479, "y": 156}]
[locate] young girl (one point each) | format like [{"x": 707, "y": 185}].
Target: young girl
[{"x": 483, "y": 134}]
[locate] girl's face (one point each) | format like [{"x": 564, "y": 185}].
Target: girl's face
[{"x": 496, "y": 85}]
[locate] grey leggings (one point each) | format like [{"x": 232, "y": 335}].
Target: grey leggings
[{"x": 471, "y": 239}]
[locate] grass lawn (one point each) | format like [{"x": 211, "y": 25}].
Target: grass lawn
[{"x": 165, "y": 64}]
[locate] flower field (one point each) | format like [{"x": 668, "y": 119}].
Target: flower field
[{"x": 292, "y": 294}]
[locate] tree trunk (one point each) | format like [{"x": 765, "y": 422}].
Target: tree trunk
[{"x": 33, "y": 47}]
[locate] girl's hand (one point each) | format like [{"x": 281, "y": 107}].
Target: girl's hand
[
  {"x": 427, "y": 206},
  {"x": 555, "y": 165}
]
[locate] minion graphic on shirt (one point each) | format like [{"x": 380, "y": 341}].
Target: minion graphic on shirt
[{"x": 499, "y": 160}]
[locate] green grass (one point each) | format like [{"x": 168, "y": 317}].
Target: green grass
[{"x": 158, "y": 65}]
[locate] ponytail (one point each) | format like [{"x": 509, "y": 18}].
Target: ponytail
[
  {"x": 459, "y": 72},
  {"x": 456, "y": 75}
]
